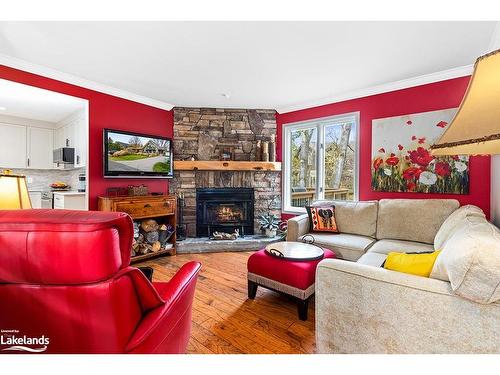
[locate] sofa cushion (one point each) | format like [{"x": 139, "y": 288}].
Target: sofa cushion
[
  {"x": 346, "y": 246},
  {"x": 414, "y": 264},
  {"x": 440, "y": 269},
  {"x": 452, "y": 222},
  {"x": 322, "y": 219},
  {"x": 354, "y": 217},
  {"x": 413, "y": 219},
  {"x": 470, "y": 260},
  {"x": 372, "y": 259},
  {"x": 398, "y": 246}
]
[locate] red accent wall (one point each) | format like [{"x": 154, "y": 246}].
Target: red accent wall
[
  {"x": 105, "y": 111},
  {"x": 430, "y": 97}
]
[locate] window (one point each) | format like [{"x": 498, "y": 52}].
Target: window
[{"x": 320, "y": 161}]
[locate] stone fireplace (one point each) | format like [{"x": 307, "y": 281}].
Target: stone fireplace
[
  {"x": 203, "y": 133},
  {"x": 224, "y": 209}
]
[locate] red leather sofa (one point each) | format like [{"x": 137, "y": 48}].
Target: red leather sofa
[{"x": 65, "y": 275}]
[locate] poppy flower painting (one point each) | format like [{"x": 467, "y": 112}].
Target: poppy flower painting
[{"x": 401, "y": 157}]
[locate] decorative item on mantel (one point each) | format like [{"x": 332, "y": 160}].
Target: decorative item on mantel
[
  {"x": 226, "y": 154},
  {"x": 272, "y": 148},
  {"x": 265, "y": 151},
  {"x": 258, "y": 151}
]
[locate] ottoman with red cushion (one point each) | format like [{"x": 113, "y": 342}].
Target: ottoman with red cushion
[{"x": 294, "y": 278}]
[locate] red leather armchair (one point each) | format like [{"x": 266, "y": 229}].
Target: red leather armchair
[{"x": 65, "y": 275}]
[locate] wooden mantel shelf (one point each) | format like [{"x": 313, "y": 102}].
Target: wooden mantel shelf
[{"x": 214, "y": 165}]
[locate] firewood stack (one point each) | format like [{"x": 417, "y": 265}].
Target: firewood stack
[{"x": 149, "y": 236}]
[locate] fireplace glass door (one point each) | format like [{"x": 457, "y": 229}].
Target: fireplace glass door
[
  {"x": 226, "y": 213},
  {"x": 224, "y": 209}
]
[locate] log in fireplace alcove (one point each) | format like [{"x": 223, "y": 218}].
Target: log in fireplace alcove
[{"x": 224, "y": 209}]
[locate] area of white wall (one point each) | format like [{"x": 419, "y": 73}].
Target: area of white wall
[
  {"x": 495, "y": 160},
  {"x": 495, "y": 190}
]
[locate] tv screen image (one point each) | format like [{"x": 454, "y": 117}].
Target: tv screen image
[{"x": 135, "y": 155}]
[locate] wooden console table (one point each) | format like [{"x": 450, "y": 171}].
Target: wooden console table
[{"x": 162, "y": 208}]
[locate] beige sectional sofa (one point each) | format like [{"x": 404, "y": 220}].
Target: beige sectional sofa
[
  {"x": 364, "y": 308},
  {"x": 373, "y": 227}
]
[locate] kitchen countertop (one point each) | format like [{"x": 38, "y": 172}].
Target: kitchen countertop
[{"x": 69, "y": 192}]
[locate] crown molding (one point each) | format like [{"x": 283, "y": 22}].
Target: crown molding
[
  {"x": 461, "y": 71},
  {"x": 95, "y": 86},
  {"x": 26, "y": 66},
  {"x": 495, "y": 38}
]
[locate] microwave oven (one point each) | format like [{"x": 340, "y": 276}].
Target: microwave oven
[{"x": 64, "y": 155}]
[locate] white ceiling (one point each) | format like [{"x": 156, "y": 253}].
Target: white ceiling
[
  {"x": 259, "y": 64},
  {"x": 37, "y": 104}
]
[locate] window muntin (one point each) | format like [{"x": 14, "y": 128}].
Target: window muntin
[{"x": 303, "y": 168}]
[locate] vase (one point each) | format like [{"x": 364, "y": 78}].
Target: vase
[{"x": 270, "y": 233}]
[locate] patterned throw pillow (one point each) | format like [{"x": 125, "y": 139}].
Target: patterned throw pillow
[{"x": 322, "y": 219}]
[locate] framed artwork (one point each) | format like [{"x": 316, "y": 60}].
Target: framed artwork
[{"x": 401, "y": 158}]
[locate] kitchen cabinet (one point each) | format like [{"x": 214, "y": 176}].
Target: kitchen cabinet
[
  {"x": 40, "y": 148},
  {"x": 69, "y": 200},
  {"x": 13, "y": 150},
  {"x": 81, "y": 142},
  {"x": 31, "y": 146},
  {"x": 73, "y": 133},
  {"x": 26, "y": 147}
]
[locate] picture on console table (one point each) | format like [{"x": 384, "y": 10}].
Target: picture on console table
[{"x": 401, "y": 158}]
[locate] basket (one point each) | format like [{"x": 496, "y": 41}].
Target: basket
[{"x": 138, "y": 190}]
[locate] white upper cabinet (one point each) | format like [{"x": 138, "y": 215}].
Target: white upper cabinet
[
  {"x": 81, "y": 144},
  {"x": 31, "y": 143},
  {"x": 40, "y": 148},
  {"x": 13, "y": 150},
  {"x": 73, "y": 133}
]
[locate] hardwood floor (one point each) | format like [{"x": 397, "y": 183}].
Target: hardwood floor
[{"x": 225, "y": 321}]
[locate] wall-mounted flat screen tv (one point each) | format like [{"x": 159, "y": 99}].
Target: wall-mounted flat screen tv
[{"x": 134, "y": 155}]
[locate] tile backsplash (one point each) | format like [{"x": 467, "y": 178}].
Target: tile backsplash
[{"x": 40, "y": 179}]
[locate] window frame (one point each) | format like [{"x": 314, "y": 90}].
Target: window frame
[{"x": 319, "y": 124}]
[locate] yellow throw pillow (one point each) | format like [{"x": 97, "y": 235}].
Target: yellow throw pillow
[{"x": 419, "y": 264}]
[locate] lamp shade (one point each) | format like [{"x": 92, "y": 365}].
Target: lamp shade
[
  {"x": 13, "y": 192},
  {"x": 475, "y": 129}
]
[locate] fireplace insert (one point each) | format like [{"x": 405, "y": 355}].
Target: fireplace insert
[{"x": 224, "y": 210}]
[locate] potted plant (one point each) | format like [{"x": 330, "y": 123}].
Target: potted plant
[
  {"x": 270, "y": 223},
  {"x": 282, "y": 230}
]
